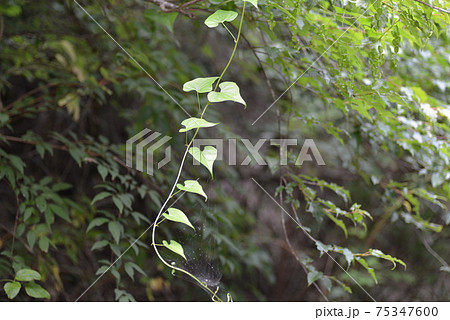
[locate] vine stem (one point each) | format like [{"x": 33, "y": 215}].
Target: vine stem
[
  {"x": 180, "y": 170},
  {"x": 236, "y": 42},
  {"x": 15, "y": 227}
]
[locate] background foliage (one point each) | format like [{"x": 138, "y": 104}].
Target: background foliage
[{"x": 372, "y": 93}]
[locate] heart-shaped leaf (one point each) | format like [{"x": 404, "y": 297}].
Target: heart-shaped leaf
[
  {"x": 36, "y": 291},
  {"x": 194, "y": 123},
  {"x": 220, "y": 16},
  {"x": 205, "y": 157},
  {"x": 229, "y": 91},
  {"x": 27, "y": 275},
  {"x": 253, "y": 2},
  {"x": 193, "y": 187},
  {"x": 201, "y": 85},
  {"x": 177, "y": 216},
  {"x": 12, "y": 289},
  {"x": 175, "y": 247}
]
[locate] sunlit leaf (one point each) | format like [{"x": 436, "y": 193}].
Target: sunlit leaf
[
  {"x": 175, "y": 247},
  {"x": 220, "y": 16},
  {"x": 377, "y": 253},
  {"x": 205, "y": 157},
  {"x": 12, "y": 289},
  {"x": 201, "y": 85},
  {"x": 194, "y": 123},
  {"x": 177, "y": 216},
  {"x": 192, "y": 186},
  {"x": 229, "y": 91},
  {"x": 27, "y": 275}
]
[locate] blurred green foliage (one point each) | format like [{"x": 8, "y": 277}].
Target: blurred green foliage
[{"x": 370, "y": 86}]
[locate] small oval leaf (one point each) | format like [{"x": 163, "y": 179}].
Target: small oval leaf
[
  {"x": 12, "y": 289},
  {"x": 36, "y": 291},
  {"x": 27, "y": 275}
]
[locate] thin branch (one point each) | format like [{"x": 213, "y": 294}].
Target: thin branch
[
  {"x": 15, "y": 226},
  {"x": 294, "y": 253},
  {"x": 167, "y": 6},
  {"x": 433, "y": 7},
  {"x": 2, "y": 26},
  {"x": 431, "y": 251}
]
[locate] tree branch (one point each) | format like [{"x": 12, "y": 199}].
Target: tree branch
[
  {"x": 167, "y": 6},
  {"x": 433, "y": 7}
]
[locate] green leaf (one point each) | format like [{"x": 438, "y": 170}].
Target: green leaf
[
  {"x": 11, "y": 10},
  {"x": 41, "y": 204},
  {"x": 337, "y": 221},
  {"x": 115, "y": 228},
  {"x": 103, "y": 171},
  {"x": 377, "y": 253},
  {"x": 201, "y": 85},
  {"x": 166, "y": 19},
  {"x": 44, "y": 242},
  {"x": 4, "y": 118},
  {"x": 96, "y": 223},
  {"x": 102, "y": 195},
  {"x": 61, "y": 212},
  {"x": 12, "y": 289},
  {"x": 205, "y": 157},
  {"x": 175, "y": 247},
  {"x": 27, "y": 275},
  {"x": 61, "y": 186},
  {"x": 193, "y": 187},
  {"x": 36, "y": 291},
  {"x": 194, "y": 123},
  {"x": 369, "y": 269},
  {"x": 220, "y": 16},
  {"x": 118, "y": 202},
  {"x": 99, "y": 244},
  {"x": 135, "y": 267},
  {"x": 129, "y": 270},
  {"x": 314, "y": 276},
  {"x": 229, "y": 91},
  {"x": 77, "y": 154},
  {"x": 177, "y": 216},
  {"x": 31, "y": 238},
  {"x": 253, "y": 2},
  {"x": 130, "y": 267}
]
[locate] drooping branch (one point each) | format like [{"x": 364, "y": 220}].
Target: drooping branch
[
  {"x": 167, "y": 6},
  {"x": 433, "y": 7}
]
